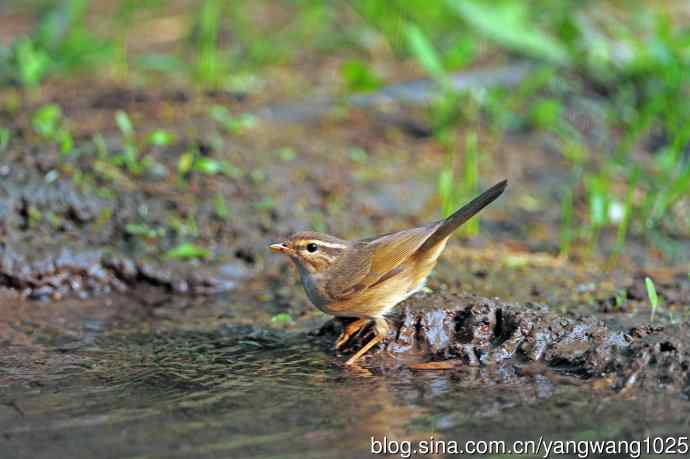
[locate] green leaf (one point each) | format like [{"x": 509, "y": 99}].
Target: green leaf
[
  {"x": 46, "y": 120},
  {"x": 188, "y": 251},
  {"x": 5, "y": 136},
  {"x": 651, "y": 293},
  {"x": 598, "y": 200},
  {"x": 144, "y": 230},
  {"x": 283, "y": 319},
  {"x": 445, "y": 190},
  {"x": 32, "y": 62},
  {"x": 161, "y": 138},
  {"x": 510, "y": 25},
  {"x": 233, "y": 124},
  {"x": 208, "y": 166},
  {"x": 546, "y": 113},
  {"x": 64, "y": 138},
  {"x": 424, "y": 51},
  {"x": 124, "y": 124},
  {"x": 184, "y": 164},
  {"x": 219, "y": 207},
  {"x": 461, "y": 55},
  {"x": 359, "y": 76}
]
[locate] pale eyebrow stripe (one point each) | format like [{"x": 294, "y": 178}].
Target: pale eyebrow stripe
[{"x": 330, "y": 245}]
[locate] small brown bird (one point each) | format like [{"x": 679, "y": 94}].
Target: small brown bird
[{"x": 368, "y": 277}]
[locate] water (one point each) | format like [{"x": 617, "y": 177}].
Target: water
[{"x": 126, "y": 381}]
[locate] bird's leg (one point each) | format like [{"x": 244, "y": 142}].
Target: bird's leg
[
  {"x": 381, "y": 330},
  {"x": 349, "y": 330}
]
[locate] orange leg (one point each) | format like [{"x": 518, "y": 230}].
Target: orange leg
[
  {"x": 350, "y": 329},
  {"x": 381, "y": 330},
  {"x": 374, "y": 341}
]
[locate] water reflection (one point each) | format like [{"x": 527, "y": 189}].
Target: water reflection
[{"x": 240, "y": 391}]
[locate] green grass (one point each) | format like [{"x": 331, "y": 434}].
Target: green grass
[
  {"x": 233, "y": 124},
  {"x": 49, "y": 123},
  {"x": 650, "y": 82},
  {"x": 456, "y": 188},
  {"x": 5, "y": 137},
  {"x": 210, "y": 65},
  {"x": 652, "y": 295},
  {"x": 188, "y": 251},
  {"x": 134, "y": 155},
  {"x": 638, "y": 62},
  {"x": 60, "y": 43}
]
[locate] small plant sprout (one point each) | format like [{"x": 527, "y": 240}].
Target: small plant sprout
[
  {"x": 144, "y": 230},
  {"x": 130, "y": 153},
  {"x": 188, "y": 251},
  {"x": 49, "y": 124},
  {"x": 220, "y": 208},
  {"x": 194, "y": 161},
  {"x": 131, "y": 156},
  {"x": 31, "y": 61},
  {"x": 233, "y": 124},
  {"x": 160, "y": 138},
  {"x": 358, "y": 76},
  {"x": 5, "y": 137},
  {"x": 282, "y": 319},
  {"x": 60, "y": 42},
  {"x": 652, "y": 295}
]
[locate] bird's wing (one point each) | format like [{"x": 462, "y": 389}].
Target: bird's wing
[{"x": 374, "y": 259}]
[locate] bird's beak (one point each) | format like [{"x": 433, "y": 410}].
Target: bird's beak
[{"x": 280, "y": 248}]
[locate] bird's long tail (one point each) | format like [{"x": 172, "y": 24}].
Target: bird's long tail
[{"x": 463, "y": 214}]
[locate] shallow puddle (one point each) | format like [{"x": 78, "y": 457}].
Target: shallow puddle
[{"x": 158, "y": 390}]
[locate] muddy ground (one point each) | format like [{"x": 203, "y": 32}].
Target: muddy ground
[
  {"x": 512, "y": 342},
  {"x": 104, "y": 336}
]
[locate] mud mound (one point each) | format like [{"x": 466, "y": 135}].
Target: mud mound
[{"x": 447, "y": 331}]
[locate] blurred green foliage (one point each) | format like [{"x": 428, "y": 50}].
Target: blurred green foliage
[
  {"x": 60, "y": 42},
  {"x": 188, "y": 251},
  {"x": 633, "y": 61},
  {"x": 49, "y": 123},
  {"x": 5, "y": 137},
  {"x": 652, "y": 295},
  {"x": 358, "y": 76}
]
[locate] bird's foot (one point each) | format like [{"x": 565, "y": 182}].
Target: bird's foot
[
  {"x": 374, "y": 341},
  {"x": 381, "y": 330},
  {"x": 349, "y": 331}
]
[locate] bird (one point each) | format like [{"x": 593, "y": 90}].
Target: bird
[{"x": 366, "y": 278}]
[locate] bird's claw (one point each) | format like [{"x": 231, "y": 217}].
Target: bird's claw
[
  {"x": 342, "y": 340},
  {"x": 349, "y": 330}
]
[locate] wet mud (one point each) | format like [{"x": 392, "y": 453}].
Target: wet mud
[
  {"x": 460, "y": 331},
  {"x": 57, "y": 240}
]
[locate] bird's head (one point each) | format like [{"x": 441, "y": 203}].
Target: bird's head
[{"x": 312, "y": 252}]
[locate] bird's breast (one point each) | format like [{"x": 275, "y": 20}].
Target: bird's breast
[{"x": 313, "y": 286}]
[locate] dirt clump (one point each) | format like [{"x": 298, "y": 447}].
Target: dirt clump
[{"x": 471, "y": 331}]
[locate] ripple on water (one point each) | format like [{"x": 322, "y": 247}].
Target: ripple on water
[{"x": 244, "y": 392}]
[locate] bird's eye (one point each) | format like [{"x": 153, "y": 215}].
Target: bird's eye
[{"x": 312, "y": 247}]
